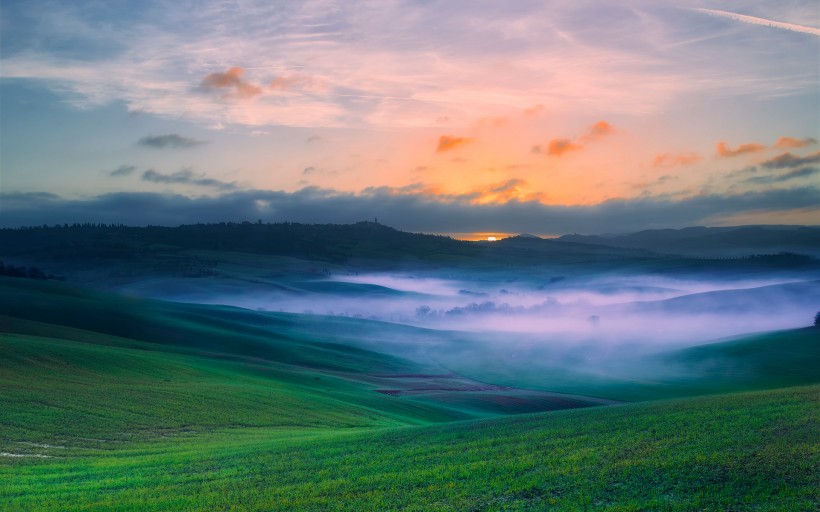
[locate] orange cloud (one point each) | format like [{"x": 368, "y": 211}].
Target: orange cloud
[
  {"x": 723, "y": 150},
  {"x": 499, "y": 193},
  {"x": 231, "y": 79},
  {"x": 558, "y": 147},
  {"x": 792, "y": 143},
  {"x": 450, "y": 142},
  {"x": 670, "y": 160},
  {"x": 598, "y": 130}
]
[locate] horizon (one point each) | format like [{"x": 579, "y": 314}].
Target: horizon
[
  {"x": 542, "y": 117},
  {"x": 480, "y": 236}
]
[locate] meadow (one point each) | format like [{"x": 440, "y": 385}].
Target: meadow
[{"x": 113, "y": 400}]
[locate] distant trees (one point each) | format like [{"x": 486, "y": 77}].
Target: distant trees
[
  {"x": 27, "y": 272},
  {"x": 817, "y": 319}
]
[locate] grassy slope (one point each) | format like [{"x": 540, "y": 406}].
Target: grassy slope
[
  {"x": 762, "y": 361},
  {"x": 752, "y": 451},
  {"x": 229, "y": 409},
  {"x": 360, "y": 349},
  {"x": 183, "y": 327},
  {"x": 105, "y": 366},
  {"x": 60, "y": 391}
]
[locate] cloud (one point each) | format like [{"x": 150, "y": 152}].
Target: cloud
[
  {"x": 793, "y": 143},
  {"x": 232, "y": 81},
  {"x": 410, "y": 209},
  {"x": 172, "y": 140},
  {"x": 753, "y": 169},
  {"x": 558, "y": 147},
  {"x": 450, "y": 142},
  {"x": 675, "y": 160},
  {"x": 123, "y": 170},
  {"x": 534, "y": 110},
  {"x": 598, "y": 130},
  {"x": 314, "y": 171},
  {"x": 723, "y": 150},
  {"x": 314, "y": 138},
  {"x": 297, "y": 82},
  {"x": 788, "y": 160},
  {"x": 803, "y": 172},
  {"x": 644, "y": 58},
  {"x": 492, "y": 122},
  {"x": 505, "y": 191},
  {"x": 186, "y": 177},
  {"x": 754, "y": 20},
  {"x": 659, "y": 181}
]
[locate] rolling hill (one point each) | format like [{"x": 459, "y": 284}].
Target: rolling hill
[
  {"x": 714, "y": 242},
  {"x": 120, "y": 402}
]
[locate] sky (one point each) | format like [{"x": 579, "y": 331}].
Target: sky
[{"x": 452, "y": 116}]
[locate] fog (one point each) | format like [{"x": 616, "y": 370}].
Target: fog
[
  {"x": 560, "y": 333},
  {"x": 640, "y": 310}
]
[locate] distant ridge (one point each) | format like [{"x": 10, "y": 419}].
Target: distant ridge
[
  {"x": 719, "y": 241},
  {"x": 103, "y": 254},
  {"x": 321, "y": 242}
]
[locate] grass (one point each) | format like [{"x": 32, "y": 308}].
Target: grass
[
  {"x": 752, "y": 362},
  {"x": 752, "y": 451},
  {"x": 66, "y": 389},
  {"x": 114, "y": 403},
  {"x": 197, "y": 368}
]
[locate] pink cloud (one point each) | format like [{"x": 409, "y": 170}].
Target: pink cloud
[
  {"x": 675, "y": 160},
  {"x": 295, "y": 82},
  {"x": 232, "y": 80},
  {"x": 534, "y": 110}
]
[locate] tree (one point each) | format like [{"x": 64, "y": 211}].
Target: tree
[{"x": 817, "y": 319}]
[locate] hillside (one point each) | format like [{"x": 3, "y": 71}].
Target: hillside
[
  {"x": 715, "y": 242},
  {"x": 115, "y": 402},
  {"x": 119, "y": 401},
  {"x": 122, "y": 354},
  {"x": 731, "y": 452},
  {"x": 371, "y": 351},
  {"x": 308, "y": 268}
]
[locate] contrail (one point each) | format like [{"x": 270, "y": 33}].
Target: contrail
[{"x": 760, "y": 21}]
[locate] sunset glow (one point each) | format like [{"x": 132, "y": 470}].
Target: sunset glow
[{"x": 551, "y": 111}]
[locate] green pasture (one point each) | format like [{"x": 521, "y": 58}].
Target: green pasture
[
  {"x": 116, "y": 403},
  {"x": 745, "y": 451}
]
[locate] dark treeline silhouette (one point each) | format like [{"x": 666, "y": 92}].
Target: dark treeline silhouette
[
  {"x": 27, "y": 272},
  {"x": 169, "y": 248},
  {"x": 323, "y": 242}
]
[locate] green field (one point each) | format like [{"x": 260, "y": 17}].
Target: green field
[
  {"x": 751, "y": 451},
  {"x": 117, "y": 403}
]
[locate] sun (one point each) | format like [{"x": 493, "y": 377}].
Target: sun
[{"x": 491, "y": 239}]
